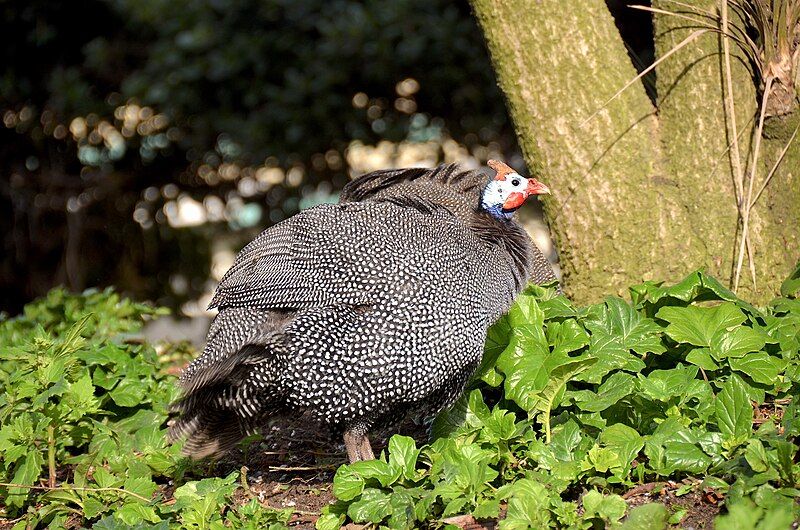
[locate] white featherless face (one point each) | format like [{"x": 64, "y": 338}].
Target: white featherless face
[
  {"x": 499, "y": 191},
  {"x": 508, "y": 191}
]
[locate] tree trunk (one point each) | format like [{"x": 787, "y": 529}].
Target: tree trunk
[{"x": 635, "y": 196}]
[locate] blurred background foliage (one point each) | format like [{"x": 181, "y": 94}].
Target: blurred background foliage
[{"x": 143, "y": 143}]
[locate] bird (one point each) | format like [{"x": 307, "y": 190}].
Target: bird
[{"x": 363, "y": 311}]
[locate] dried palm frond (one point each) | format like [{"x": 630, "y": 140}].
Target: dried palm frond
[{"x": 774, "y": 48}]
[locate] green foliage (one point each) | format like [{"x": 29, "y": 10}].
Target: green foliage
[
  {"x": 572, "y": 407},
  {"x": 604, "y": 397},
  {"x": 84, "y": 408}
]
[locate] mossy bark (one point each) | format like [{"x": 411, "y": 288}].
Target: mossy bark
[
  {"x": 695, "y": 134},
  {"x": 635, "y": 196}
]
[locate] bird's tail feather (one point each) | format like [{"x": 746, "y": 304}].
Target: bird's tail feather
[{"x": 224, "y": 401}]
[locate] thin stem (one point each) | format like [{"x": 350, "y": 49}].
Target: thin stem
[
  {"x": 72, "y": 488},
  {"x": 300, "y": 468},
  {"x": 51, "y": 456},
  {"x": 729, "y": 147},
  {"x": 746, "y": 220},
  {"x": 644, "y": 72},
  {"x": 775, "y": 166},
  {"x": 245, "y": 484},
  {"x": 738, "y": 178},
  {"x": 735, "y": 155},
  {"x": 655, "y": 10}
]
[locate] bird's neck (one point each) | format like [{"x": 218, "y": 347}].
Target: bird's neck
[
  {"x": 503, "y": 232},
  {"x": 497, "y": 211}
]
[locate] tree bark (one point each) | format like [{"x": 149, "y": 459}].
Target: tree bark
[
  {"x": 696, "y": 133},
  {"x": 635, "y": 196}
]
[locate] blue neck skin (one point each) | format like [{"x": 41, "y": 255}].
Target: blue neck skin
[{"x": 497, "y": 211}]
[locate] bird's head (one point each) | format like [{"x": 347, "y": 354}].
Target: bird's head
[{"x": 507, "y": 191}]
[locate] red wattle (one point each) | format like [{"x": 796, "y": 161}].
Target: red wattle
[{"x": 514, "y": 201}]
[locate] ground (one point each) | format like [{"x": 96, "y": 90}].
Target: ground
[{"x": 293, "y": 467}]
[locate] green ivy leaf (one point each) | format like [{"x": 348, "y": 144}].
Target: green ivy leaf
[
  {"x": 733, "y": 412},
  {"x": 403, "y": 454},
  {"x": 141, "y": 485},
  {"x": 565, "y": 440},
  {"x": 347, "y": 484},
  {"x": 566, "y": 337},
  {"x": 497, "y": 339},
  {"x": 698, "y": 325},
  {"x": 791, "y": 285},
  {"x": 28, "y": 470},
  {"x": 373, "y": 507},
  {"x": 696, "y": 286},
  {"x": 611, "y": 354},
  {"x": 330, "y": 521},
  {"x": 610, "y": 508},
  {"x": 701, "y": 357},
  {"x": 136, "y": 513},
  {"x": 756, "y": 456},
  {"x": 128, "y": 393},
  {"x": 448, "y": 421},
  {"x": 684, "y": 456},
  {"x": 624, "y": 441},
  {"x": 651, "y": 516},
  {"x": 527, "y": 507},
  {"x": 544, "y": 400},
  {"x": 736, "y": 342},
  {"x": 487, "y": 509},
  {"x": 601, "y": 459},
  {"x": 616, "y": 387},
  {"x": 661, "y": 385},
  {"x": 761, "y": 367},
  {"x": 636, "y": 332}
]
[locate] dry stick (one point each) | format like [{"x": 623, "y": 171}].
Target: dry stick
[
  {"x": 725, "y": 35},
  {"x": 735, "y": 155},
  {"x": 644, "y": 72},
  {"x": 744, "y": 42},
  {"x": 699, "y": 22},
  {"x": 775, "y": 166},
  {"x": 72, "y": 488},
  {"x": 300, "y": 468},
  {"x": 728, "y": 148},
  {"x": 690, "y": 7},
  {"x": 746, "y": 220}
]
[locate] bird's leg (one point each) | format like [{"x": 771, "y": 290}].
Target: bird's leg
[
  {"x": 357, "y": 444},
  {"x": 366, "y": 449}
]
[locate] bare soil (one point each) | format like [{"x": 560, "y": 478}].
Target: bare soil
[{"x": 701, "y": 505}]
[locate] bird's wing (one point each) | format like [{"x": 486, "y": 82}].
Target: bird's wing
[
  {"x": 328, "y": 255},
  {"x": 450, "y": 186}
]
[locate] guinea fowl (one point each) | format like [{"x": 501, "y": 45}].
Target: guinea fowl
[{"x": 362, "y": 311}]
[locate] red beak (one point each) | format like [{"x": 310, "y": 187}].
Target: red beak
[{"x": 536, "y": 188}]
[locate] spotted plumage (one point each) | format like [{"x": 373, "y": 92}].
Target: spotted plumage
[{"x": 360, "y": 312}]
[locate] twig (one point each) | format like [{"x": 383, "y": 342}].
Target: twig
[
  {"x": 73, "y": 488},
  {"x": 306, "y": 513},
  {"x": 644, "y": 72},
  {"x": 300, "y": 468},
  {"x": 641, "y": 488},
  {"x": 775, "y": 166},
  {"x": 735, "y": 155},
  {"x": 746, "y": 220},
  {"x": 738, "y": 177}
]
